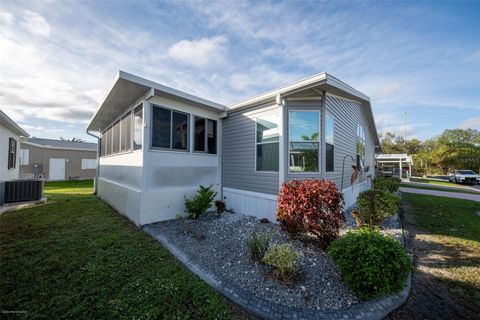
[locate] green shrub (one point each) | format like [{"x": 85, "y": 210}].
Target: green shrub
[
  {"x": 283, "y": 260},
  {"x": 371, "y": 264},
  {"x": 388, "y": 184},
  {"x": 258, "y": 245},
  {"x": 374, "y": 205},
  {"x": 220, "y": 206},
  {"x": 200, "y": 203}
]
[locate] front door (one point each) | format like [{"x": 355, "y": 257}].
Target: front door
[{"x": 56, "y": 169}]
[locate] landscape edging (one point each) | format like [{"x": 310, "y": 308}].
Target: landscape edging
[{"x": 373, "y": 309}]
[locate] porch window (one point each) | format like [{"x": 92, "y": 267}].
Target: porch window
[
  {"x": 360, "y": 147},
  {"x": 303, "y": 141},
  {"x": 169, "y": 129},
  {"x": 137, "y": 128},
  {"x": 116, "y": 137},
  {"x": 329, "y": 144},
  {"x": 267, "y": 143},
  {"x": 205, "y": 135},
  {"x": 126, "y": 129}
]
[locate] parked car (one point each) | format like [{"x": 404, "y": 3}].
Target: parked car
[{"x": 464, "y": 176}]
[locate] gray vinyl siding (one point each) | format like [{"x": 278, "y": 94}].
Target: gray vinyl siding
[
  {"x": 348, "y": 114},
  {"x": 238, "y": 155}
]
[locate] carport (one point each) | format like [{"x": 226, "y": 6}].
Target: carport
[{"x": 397, "y": 165}]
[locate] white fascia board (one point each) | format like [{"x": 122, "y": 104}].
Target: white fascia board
[
  {"x": 55, "y": 148},
  {"x": 12, "y": 125}
]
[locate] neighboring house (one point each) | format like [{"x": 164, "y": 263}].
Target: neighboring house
[
  {"x": 159, "y": 144},
  {"x": 397, "y": 165},
  {"x": 10, "y": 136},
  {"x": 51, "y": 159}
]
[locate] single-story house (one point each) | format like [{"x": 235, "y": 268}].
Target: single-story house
[
  {"x": 158, "y": 144},
  {"x": 11, "y": 134},
  {"x": 54, "y": 160}
]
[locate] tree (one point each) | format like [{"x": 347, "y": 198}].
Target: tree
[{"x": 72, "y": 140}]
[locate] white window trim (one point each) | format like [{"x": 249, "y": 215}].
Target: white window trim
[
  {"x": 257, "y": 143},
  {"x": 303, "y": 141}
]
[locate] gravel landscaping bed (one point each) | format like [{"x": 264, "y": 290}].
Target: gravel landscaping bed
[{"x": 218, "y": 244}]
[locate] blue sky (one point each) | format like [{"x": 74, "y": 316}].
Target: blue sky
[{"x": 58, "y": 59}]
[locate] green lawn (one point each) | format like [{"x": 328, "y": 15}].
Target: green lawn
[
  {"x": 439, "y": 188},
  {"x": 449, "y": 233},
  {"x": 76, "y": 258},
  {"x": 438, "y": 182}
]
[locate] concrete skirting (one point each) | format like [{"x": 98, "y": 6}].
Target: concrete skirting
[
  {"x": 20, "y": 205},
  {"x": 373, "y": 309}
]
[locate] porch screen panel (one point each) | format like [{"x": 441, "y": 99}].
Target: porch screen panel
[
  {"x": 267, "y": 143},
  {"x": 161, "y": 123},
  {"x": 199, "y": 134},
  {"x": 180, "y": 130},
  {"x": 116, "y": 137},
  {"x": 138, "y": 128},
  {"x": 126, "y": 128},
  {"x": 212, "y": 136},
  {"x": 304, "y": 141}
]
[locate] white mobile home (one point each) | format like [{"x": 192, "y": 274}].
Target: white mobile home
[
  {"x": 159, "y": 144},
  {"x": 10, "y": 136}
]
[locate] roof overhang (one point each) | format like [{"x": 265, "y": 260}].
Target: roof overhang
[
  {"x": 127, "y": 89},
  {"x": 12, "y": 125},
  {"x": 56, "y": 147},
  {"x": 314, "y": 85}
]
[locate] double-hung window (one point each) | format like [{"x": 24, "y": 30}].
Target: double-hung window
[
  {"x": 205, "y": 135},
  {"x": 267, "y": 143},
  {"x": 360, "y": 147},
  {"x": 304, "y": 141},
  {"x": 169, "y": 129},
  {"x": 12, "y": 153},
  {"x": 329, "y": 143}
]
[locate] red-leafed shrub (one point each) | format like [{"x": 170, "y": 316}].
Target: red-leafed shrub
[{"x": 311, "y": 206}]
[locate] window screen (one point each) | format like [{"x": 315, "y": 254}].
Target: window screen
[
  {"x": 138, "y": 128},
  {"x": 199, "y": 134}
]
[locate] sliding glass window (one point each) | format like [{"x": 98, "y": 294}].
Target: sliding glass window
[
  {"x": 267, "y": 143},
  {"x": 329, "y": 143},
  {"x": 205, "y": 135},
  {"x": 304, "y": 141},
  {"x": 169, "y": 129}
]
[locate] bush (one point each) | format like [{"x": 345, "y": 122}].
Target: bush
[
  {"x": 220, "y": 206},
  {"x": 200, "y": 203},
  {"x": 311, "y": 206},
  {"x": 371, "y": 264},
  {"x": 388, "y": 184},
  {"x": 283, "y": 260},
  {"x": 258, "y": 245},
  {"x": 374, "y": 205}
]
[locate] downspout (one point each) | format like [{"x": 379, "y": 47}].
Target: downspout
[{"x": 95, "y": 180}]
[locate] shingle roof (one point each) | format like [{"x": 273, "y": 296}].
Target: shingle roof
[{"x": 60, "y": 144}]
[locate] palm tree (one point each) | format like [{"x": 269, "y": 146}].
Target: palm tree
[{"x": 72, "y": 140}]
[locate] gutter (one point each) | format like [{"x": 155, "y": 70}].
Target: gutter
[{"x": 95, "y": 180}]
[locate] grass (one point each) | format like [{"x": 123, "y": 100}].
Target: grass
[
  {"x": 439, "y": 188},
  {"x": 75, "y": 257},
  {"x": 438, "y": 182},
  {"x": 452, "y": 230}
]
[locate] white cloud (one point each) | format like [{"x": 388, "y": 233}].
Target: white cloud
[
  {"x": 6, "y": 18},
  {"x": 473, "y": 123},
  {"x": 387, "y": 90},
  {"x": 35, "y": 23},
  {"x": 198, "y": 53}
]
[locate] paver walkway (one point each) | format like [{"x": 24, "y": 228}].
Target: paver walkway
[{"x": 457, "y": 195}]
